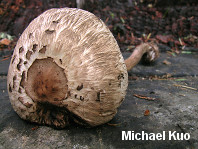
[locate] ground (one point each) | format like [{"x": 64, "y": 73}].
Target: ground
[{"x": 160, "y": 97}]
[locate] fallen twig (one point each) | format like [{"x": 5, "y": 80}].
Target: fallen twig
[
  {"x": 113, "y": 124},
  {"x": 5, "y": 59},
  {"x": 144, "y": 97},
  {"x": 7, "y": 56}
]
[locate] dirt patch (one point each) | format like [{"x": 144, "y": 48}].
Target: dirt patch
[{"x": 174, "y": 23}]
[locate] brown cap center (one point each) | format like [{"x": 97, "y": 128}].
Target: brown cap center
[{"x": 46, "y": 81}]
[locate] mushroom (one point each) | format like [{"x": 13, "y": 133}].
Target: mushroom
[{"x": 66, "y": 67}]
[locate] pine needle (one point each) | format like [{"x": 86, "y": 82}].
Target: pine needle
[{"x": 184, "y": 86}]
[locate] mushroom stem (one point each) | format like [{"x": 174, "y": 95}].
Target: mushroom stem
[{"x": 150, "y": 50}]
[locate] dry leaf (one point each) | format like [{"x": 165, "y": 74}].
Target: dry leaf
[
  {"x": 166, "y": 62},
  {"x": 35, "y": 128},
  {"x": 146, "y": 113},
  {"x": 5, "y": 41},
  {"x": 164, "y": 38}
]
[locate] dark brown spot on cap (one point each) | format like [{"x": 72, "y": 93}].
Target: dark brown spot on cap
[
  {"x": 79, "y": 87},
  {"x": 13, "y": 58},
  {"x": 81, "y": 98},
  {"x": 34, "y": 47},
  {"x": 48, "y": 31},
  {"x": 121, "y": 76},
  {"x": 27, "y": 104},
  {"x": 119, "y": 84},
  {"x": 10, "y": 89},
  {"x": 28, "y": 54},
  {"x": 19, "y": 64},
  {"x": 43, "y": 50},
  {"x": 21, "y": 49},
  {"x": 14, "y": 78},
  {"x": 68, "y": 94},
  {"x": 98, "y": 96},
  {"x": 19, "y": 90},
  {"x": 22, "y": 79},
  {"x": 30, "y": 35},
  {"x": 20, "y": 99},
  {"x": 56, "y": 21},
  {"x": 60, "y": 61},
  {"x": 75, "y": 95}
]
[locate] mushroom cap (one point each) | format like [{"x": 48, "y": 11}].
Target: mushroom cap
[{"x": 67, "y": 66}]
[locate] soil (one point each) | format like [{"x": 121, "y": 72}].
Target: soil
[{"x": 173, "y": 23}]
